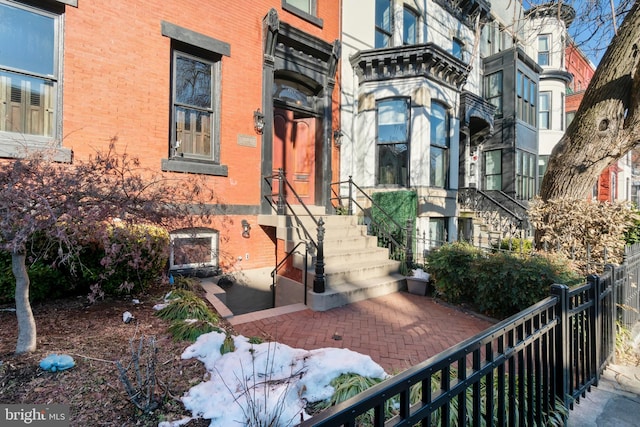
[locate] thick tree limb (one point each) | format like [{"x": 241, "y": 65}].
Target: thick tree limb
[{"x": 606, "y": 125}]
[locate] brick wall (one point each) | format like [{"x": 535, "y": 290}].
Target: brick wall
[{"x": 117, "y": 85}]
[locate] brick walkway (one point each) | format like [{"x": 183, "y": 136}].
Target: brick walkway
[{"x": 397, "y": 330}]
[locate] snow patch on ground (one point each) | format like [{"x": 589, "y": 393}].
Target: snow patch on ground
[{"x": 268, "y": 381}]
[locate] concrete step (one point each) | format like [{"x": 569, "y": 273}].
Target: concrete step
[
  {"x": 355, "y": 267},
  {"x": 355, "y": 290},
  {"x": 356, "y": 272},
  {"x": 346, "y": 257}
]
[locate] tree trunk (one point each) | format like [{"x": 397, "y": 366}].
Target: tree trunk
[
  {"x": 26, "y": 323},
  {"x": 607, "y": 123}
]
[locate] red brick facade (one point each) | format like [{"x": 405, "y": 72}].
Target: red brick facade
[{"x": 117, "y": 83}]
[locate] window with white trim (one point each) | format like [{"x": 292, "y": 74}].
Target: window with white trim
[
  {"x": 544, "y": 56},
  {"x": 194, "y": 249},
  {"x": 409, "y": 26},
  {"x": 393, "y": 118},
  {"x": 384, "y": 22},
  {"x": 544, "y": 111},
  {"x": 439, "y": 149}
]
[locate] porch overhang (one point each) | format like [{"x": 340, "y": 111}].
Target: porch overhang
[{"x": 476, "y": 115}]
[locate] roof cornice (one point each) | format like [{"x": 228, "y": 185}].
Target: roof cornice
[{"x": 420, "y": 60}]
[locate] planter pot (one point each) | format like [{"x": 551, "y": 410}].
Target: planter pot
[{"x": 417, "y": 285}]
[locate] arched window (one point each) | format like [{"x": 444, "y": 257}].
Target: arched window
[{"x": 439, "y": 150}]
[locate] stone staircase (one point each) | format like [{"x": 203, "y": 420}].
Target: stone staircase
[{"x": 355, "y": 267}]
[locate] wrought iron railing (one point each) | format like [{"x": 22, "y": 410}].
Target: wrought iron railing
[
  {"x": 282, "y": 207},
  {"x": 529, "y": 369},
  {"x": 398, "y": 238},
  {"x": 497, "y": 216}
]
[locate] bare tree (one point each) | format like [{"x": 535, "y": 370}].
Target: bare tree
[
  {"x": 65, "y": 204},
  {"x": 607, "y": 123}
]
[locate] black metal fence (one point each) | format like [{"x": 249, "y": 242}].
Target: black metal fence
[{"x": 526, "y": 370}]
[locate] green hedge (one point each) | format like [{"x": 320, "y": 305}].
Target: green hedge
[
  {"x": 128, "y": 259},
  {"x": 46, "y": 281},
  {"x": 451, "y": 269},
  {"x": 499, "y": 284}
]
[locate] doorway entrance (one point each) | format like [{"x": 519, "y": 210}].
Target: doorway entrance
[{"x": 294, "y": 150}]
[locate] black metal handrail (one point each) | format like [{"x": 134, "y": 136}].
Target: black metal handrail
[
  {"x": 465, "y": 196},
  {"x": 281, "y": 263},
  {"x": 284, "y": 188},
  {"x": 386, "y": 231}
]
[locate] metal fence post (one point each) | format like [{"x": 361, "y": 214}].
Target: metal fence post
[
  {"x": 409, "y": 247},
  {"x": 318, "y": 281},
  {"x": 595, "y": 323},
  {"x": 350, "y": 195},
  {"x": 562, "y": 368},
  {"x": 281, "y": 196}
]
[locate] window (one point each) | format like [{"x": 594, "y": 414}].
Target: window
[
  {"x": 543, "y": 162},
  {"x": 194, "y": 249},
  {"x": 305, "y": 9},
  {"x": 493, "y": 91},
  {"x": 544, "y": 111},
  {"x": 193, "y": 113},
  {"x": 525, "y": 175},
  {"x": 393, "y": 141},
  {"x": 526, "y": 92},
  {"x": 458, "y": 49},
  {"x": 543, "y": 50},
  {"x": 409, "y": 26},
  {"x": 29, "y": 74},
  {"x": 437, "y": 232},
  {"x": 439, "y": 150},
  {"x": 307, "y": 6},
  {"x": 194, "y": 145},
  {"x": 383, "y": 24},
  {"x": 493, "y": 170},
  {"x": 570, "y": 116},
  {"x": 494, "y": 39}
]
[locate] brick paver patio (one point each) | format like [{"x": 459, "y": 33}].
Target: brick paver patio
[{"x": 397, "y": 330}]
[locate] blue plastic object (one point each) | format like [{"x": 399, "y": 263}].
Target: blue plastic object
[{"x": 57, "y": 362}]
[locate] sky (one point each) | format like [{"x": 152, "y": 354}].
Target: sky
[
  {"x": 268, "y": 375},
  {"x": 593, "y": 27}
]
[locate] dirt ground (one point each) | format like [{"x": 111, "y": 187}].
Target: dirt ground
[{"x": 96, "y": 337}]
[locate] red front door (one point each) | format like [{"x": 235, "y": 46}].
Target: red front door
[{"x": 294, "y": 150}]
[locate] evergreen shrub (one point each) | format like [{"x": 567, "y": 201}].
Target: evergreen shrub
[
  {"x": 451, "y": 267},
  {"x": 499, "y": 284}
]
